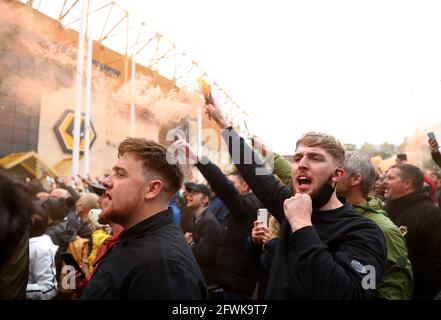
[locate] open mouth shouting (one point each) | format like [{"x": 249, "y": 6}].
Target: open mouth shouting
[{"x": 304, "y": 183}]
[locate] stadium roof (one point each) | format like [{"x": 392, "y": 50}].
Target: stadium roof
[{"x": 117, "y": 29}]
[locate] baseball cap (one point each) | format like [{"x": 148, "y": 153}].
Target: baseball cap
[
  {"x": 98, "y": 188},
  {"x": 199, "y": 187},
  {"x": 188, "y": 185}
]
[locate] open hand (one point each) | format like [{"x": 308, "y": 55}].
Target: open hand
[{"x": 184, "y": 149}]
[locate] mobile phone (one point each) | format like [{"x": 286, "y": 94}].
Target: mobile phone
[
  {"x": 431, "y": 135},
  {"x": 262, "y": 215},
  {"x": 69, "y": 260}
]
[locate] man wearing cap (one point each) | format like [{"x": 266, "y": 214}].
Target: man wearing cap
[
  {"x": 98, "y": 188},
  {"x": 186, "y": 218},
  {"x": 235, "y": 276},
  {"x": 206, "y": 236}
]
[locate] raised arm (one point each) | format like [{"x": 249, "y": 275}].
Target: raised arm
[
  {"x": 434, "y": 150},
  {"x": 282, "y": 167},
  {"x": 264, "y": 185},
  {"x": 224, "y": 188}
]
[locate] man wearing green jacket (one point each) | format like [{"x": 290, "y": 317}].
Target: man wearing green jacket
[{"x": 397, "y": 282}]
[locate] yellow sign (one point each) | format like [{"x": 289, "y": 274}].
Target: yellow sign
[{"x": 64, "y": 132}]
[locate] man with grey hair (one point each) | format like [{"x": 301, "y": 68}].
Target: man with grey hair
[{"x": 397, "y": 282}]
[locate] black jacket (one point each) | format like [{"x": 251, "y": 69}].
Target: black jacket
[
  {"x": 207, "y": 235},
  {"x": 151, "y": 260},
  {"x": 82, "y": 229},
  {"x": 324, "y": 261},
  {"x": 233, "y": 274},
  {"x": 219, "y": 210},
  {"x": 186, "y": 217},
  {"x": 61, "y": 234},
  {"x": 14, "y": 272},
  {"x": 422, "y": 220},
  {"x": 260, "y": 258}
]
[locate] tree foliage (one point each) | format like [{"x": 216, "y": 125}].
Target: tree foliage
[{"x": 384, "y": 150}]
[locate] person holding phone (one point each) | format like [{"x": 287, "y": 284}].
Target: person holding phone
[
  {"x": 259, "y": 252},
  {"x": 233, "y": 274},
  {"x": 434, "y": 148}
]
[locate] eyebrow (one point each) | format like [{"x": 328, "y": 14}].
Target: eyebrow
[{"x": 309, "y": 154}]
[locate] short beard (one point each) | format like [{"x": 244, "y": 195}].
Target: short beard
[
  {"x": 121, "y": 215},
  {"x": 109, "y": 214},
  {"x": 124, "y": 212},
  {"x": 329, "y": 181}
]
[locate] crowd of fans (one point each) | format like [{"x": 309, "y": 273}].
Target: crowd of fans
[{"x": 141, "y": 233}]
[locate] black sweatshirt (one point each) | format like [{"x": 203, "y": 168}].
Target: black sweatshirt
[
  {"x": 325, "y": 261},
  {"x": 233, "y": 273}
]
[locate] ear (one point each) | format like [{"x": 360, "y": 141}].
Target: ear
[
  {"x": 153, "y": 189},
  {"x": 339, "y": 174},
  {"x": 206, "y": 200},
  {"x": 408, "y": 185},
  {"x": 244, "y": 186},
  {"x": 355, "y": 180}
]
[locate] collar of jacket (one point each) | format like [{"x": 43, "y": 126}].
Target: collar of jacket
[
  {"x": 145, "y": 226},
  {"x": 407, "y": 200},
  {"x": 198, "y": 218},
  {"x": 373, "y": 206}
]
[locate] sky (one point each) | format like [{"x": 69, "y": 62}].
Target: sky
[{"x": 364, "y": 71}]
